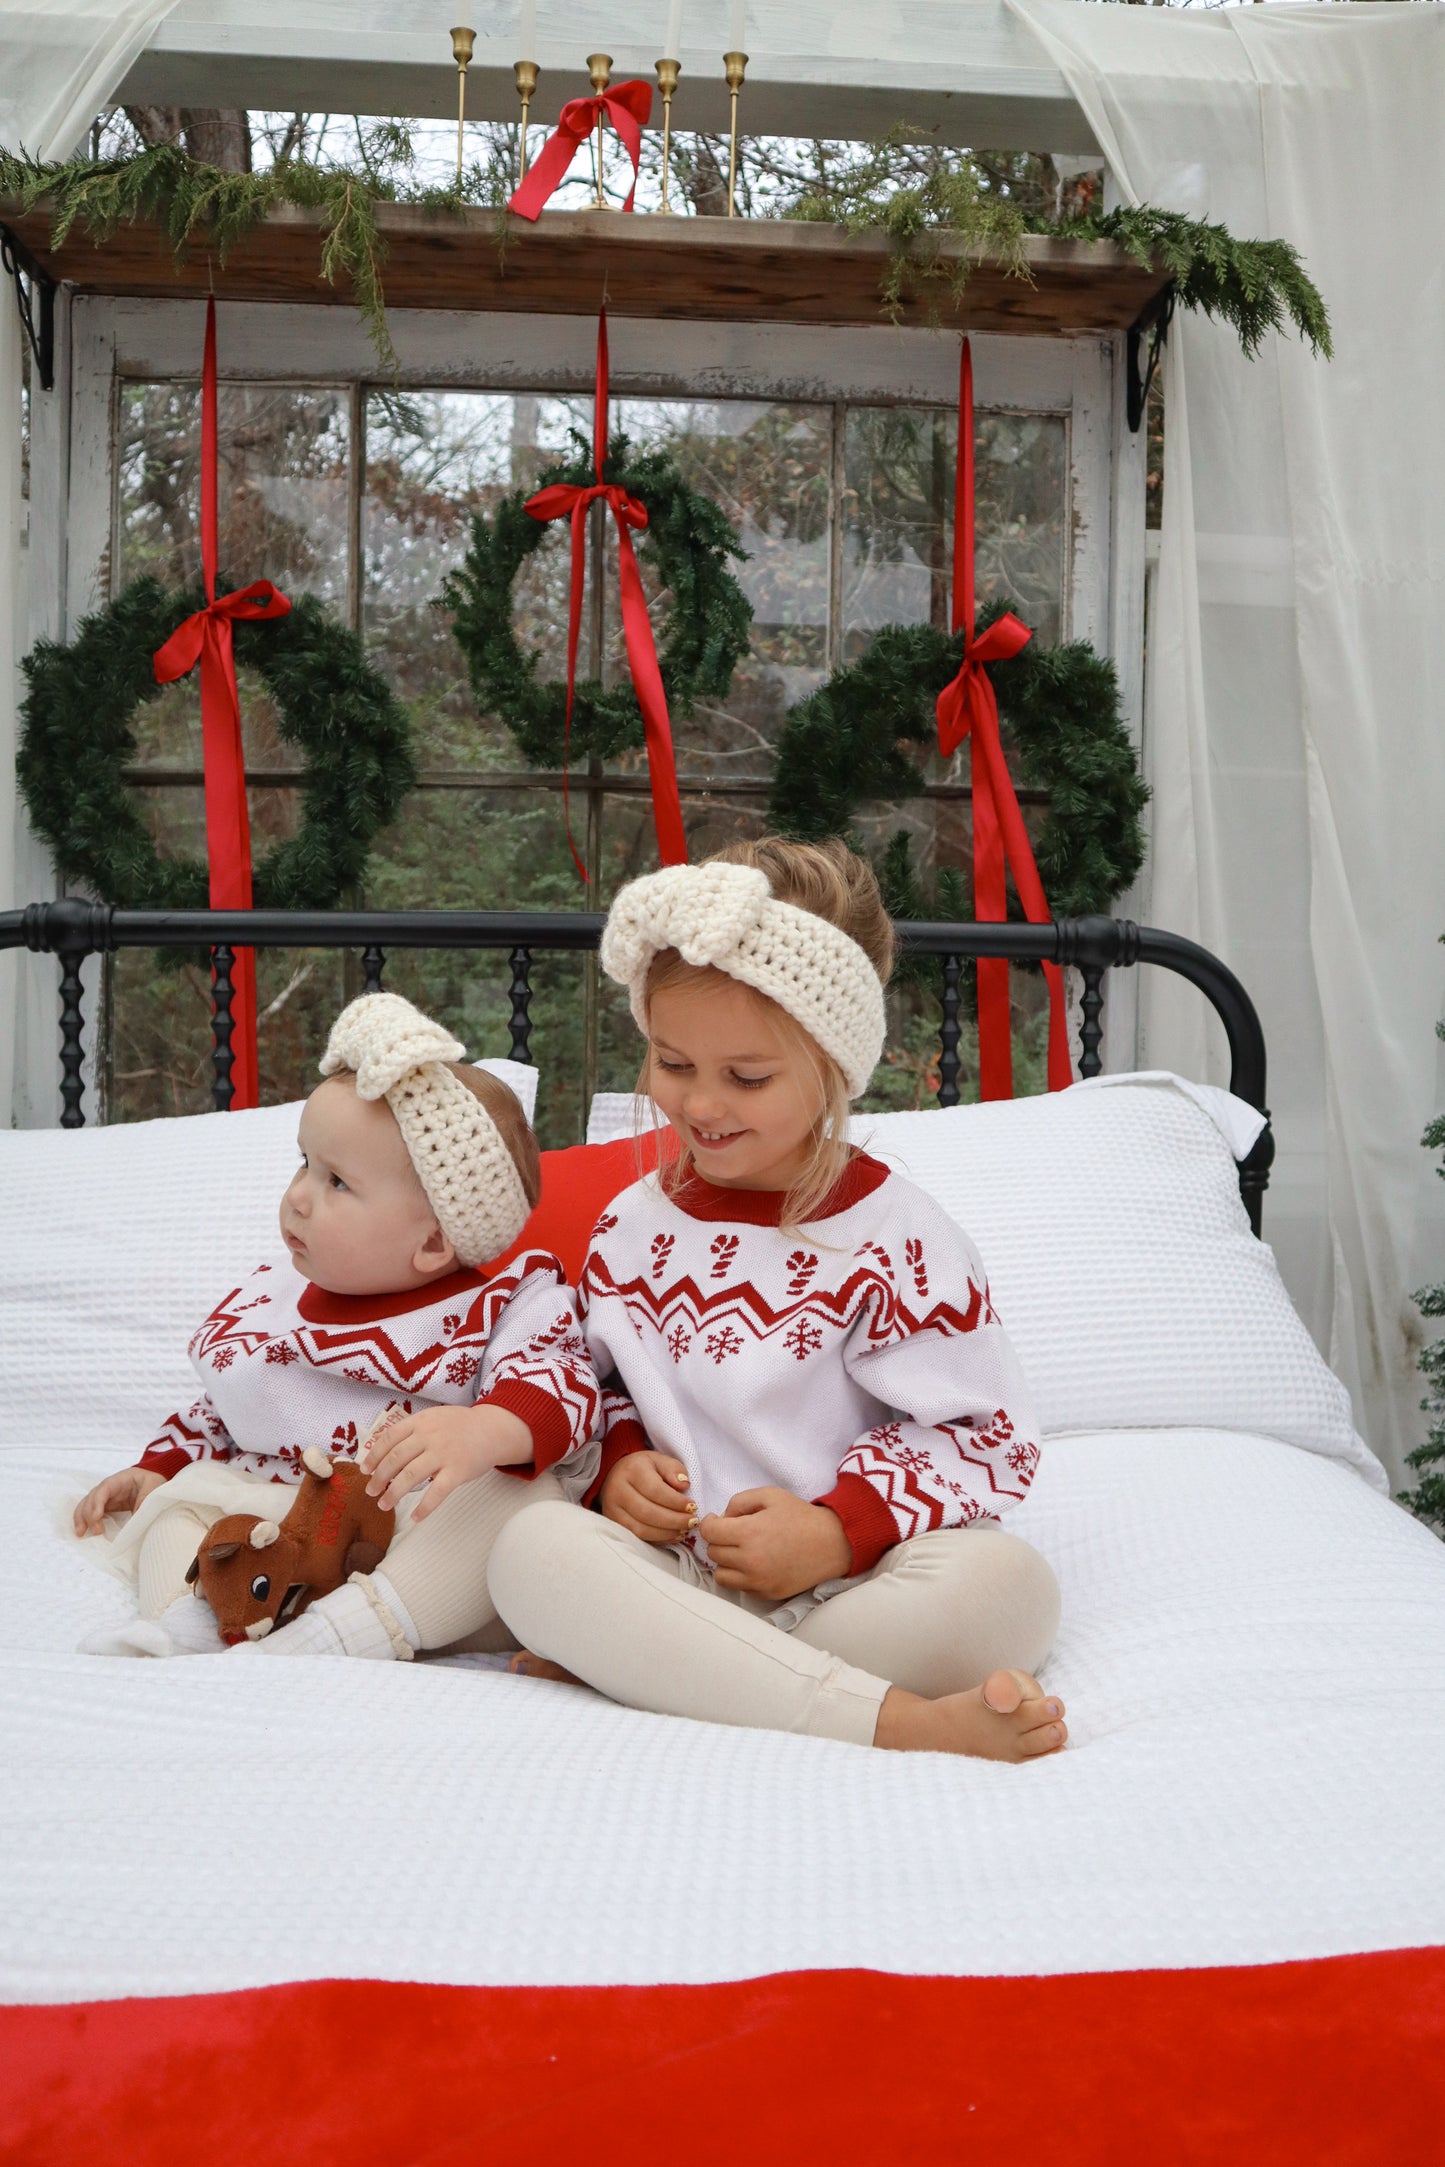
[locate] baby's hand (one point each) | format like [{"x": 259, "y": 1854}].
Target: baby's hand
[
  {"x": 118, "y": 1493},
  {"x": 647, "y": 1494},
  {"x": 443, "y": 1446}
]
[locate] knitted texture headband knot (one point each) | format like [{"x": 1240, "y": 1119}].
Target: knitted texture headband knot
[
  {"x": 469, "y": 1176},
  {"x": 727, "y": 916}
]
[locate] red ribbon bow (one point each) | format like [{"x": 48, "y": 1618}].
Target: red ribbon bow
[
  {"x": 627, "y": 105},
  {"x": 968, "y": 707},
  {"x": 206, "y": 638},
  {"x": 570, "y": 500}
]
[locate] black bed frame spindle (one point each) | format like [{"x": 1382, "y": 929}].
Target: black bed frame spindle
[
  {"x": 950, "y": 1032},
  {"x": 520, "y": 991},
  {"x": 223, "y": 1027},
  {"x": 1091, "y": 1035},
  {"x": 72, "y": 1084},
  {"x": 373, "y": 963}
]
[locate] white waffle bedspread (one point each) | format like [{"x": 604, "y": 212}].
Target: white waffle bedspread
[{"x": 1256, "y": 1697}]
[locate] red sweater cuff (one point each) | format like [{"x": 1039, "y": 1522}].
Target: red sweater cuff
[
  {"x": 545, "y": 1417},
  {"x": 867, "y": 1522},
  {"x": 167, "y": 1460},
  {"x": 622, "y": 1439}
]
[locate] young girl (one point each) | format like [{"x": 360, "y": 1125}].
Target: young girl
[
  {"x": 813, "y": 1419},
  {"x": 415, "y": 1171}
]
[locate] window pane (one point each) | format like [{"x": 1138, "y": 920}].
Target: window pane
[
  {"x": 282, "y": 461},
  {"x": 768, "y": 466},
  {"x": 897, "y": 518},
  {"x": 433, "y": 459},
  {"x": 160, "y": 1027},
  {"x": 282, "y": 516}
]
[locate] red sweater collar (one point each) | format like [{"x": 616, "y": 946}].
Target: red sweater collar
[
  {"x": 319, "y": 1307},
  {"x": 702, "y": 1199}
]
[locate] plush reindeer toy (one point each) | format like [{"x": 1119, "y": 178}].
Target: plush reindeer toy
[{"x": 257, "y": 1574}]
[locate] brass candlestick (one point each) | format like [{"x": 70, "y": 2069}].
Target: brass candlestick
[
  {"x": 599, "y": 70},
  {"x": 668, "y": 72},
  {"x": 526, "y": 73},
  {"x": 462, "y": 43},
  {"x": 735, "y": 66}
]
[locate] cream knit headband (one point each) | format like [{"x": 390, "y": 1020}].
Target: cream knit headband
[
  {"x": 470, "y": 1178},
  {"x": 728, "y": 916}
]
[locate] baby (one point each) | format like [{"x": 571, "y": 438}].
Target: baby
[{"x": 415, "y": 1171}]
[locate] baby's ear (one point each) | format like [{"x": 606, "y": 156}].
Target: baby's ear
[{"x": 435, "y": 1256}]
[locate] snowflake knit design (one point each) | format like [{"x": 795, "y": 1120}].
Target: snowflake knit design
[
  {"x": 727, "y": 917},
  {"x": 470, "y": 1177},
  {"x": 324, "y": 1368}
]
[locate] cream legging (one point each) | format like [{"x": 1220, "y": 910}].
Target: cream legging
[
  {"x": 438, "y": 1568},
  {"x": 647, "y": 1626}
]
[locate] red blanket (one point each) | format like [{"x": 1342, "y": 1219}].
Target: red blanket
[{"x": 1312, "y": 2064}]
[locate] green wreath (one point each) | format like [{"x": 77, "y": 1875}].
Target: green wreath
[
  {"x": 1059, "y": 706},
  {"x": 77, "y": 740},
  {"x": 688, "y": 541}
]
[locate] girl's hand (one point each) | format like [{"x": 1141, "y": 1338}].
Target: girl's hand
[
  {"x": 443, "y": 1446},
  {"x": 647, "y": 1494},
  {"x": 118, "y": 1493},
  {"x": 772, "y": 1543}
]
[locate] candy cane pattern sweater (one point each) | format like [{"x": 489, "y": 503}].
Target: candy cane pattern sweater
[
  {"x": 860, "y": 1365},
  {"x": 286, "y": 1365}
]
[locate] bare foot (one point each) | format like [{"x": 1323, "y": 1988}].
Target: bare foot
[
  {"x": 526, "y": 1665},
  {"x": 1007, "y": 1718}
]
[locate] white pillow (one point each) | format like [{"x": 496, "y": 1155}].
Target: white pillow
[
  {"x": 1121, "y": 1259},
  {"x": 114, "y": 1244}
]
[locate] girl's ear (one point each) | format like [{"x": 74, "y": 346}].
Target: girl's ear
[{"x": 435, "y": 1255}]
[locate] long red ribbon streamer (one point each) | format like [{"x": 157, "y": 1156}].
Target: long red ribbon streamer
[
  {"x": 207, "y": 638},
  {"x": 968, "y": 707},
  {"x": 567, "y": 500},
  {"x": 627, "y": 105}
]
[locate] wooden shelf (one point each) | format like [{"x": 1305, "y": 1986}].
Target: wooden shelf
[{"x": 713, "y": 269}]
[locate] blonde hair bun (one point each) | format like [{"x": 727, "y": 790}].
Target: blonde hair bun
[{"x": 725, "y": 917}]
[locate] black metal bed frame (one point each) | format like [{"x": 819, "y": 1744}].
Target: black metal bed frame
[{"x": 73, "y": 929}]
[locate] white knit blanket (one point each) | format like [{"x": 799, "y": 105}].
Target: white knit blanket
[{"x": 1257, "y": 1705}]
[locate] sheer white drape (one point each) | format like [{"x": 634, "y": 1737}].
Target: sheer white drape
[
  {"x": 1295, "y": 702},
  {"x": 60, "y": 61}
]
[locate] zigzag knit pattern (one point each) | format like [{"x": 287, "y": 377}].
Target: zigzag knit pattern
[{"x": 727, "y": 916}]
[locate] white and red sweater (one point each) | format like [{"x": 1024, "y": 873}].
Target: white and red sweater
[
  {"x": 861, "y": 1366},
  {"x": 286, "y": 1365}
]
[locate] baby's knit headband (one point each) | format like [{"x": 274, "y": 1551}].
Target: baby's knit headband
[
  {"x": 470, "y": 1177},
  {"x": 728, "y": 916}
]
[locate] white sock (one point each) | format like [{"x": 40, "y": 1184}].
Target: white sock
[
  {"x": 186, "y": 1627},
  {"x": 191, "y": 1623},
  {"x": 382, "y": 1591},
  {"x": 353, "y": 1620}
]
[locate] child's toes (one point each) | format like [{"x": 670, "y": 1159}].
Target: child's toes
[
  {"x": 1005, "y": 1691},
  {"x": 1043, "y": 1738}
]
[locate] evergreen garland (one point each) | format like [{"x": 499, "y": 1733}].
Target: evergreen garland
[
  {"x": 849, "y": 741},
  {"x": 78, "y": 738},
  {"x": 1428, "y": 1501},
  {"x": 688, "y": 539},
  {"x": 1255, "y": 286},
  {"x": 197, "y": 205}
]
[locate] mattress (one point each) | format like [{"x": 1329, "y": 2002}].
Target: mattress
[{"x": 433, "y": 1912}]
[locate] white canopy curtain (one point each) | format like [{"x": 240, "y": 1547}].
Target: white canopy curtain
[
  {"x": 1295, "y": 687},
  {"x": 60, "y": 61}
]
